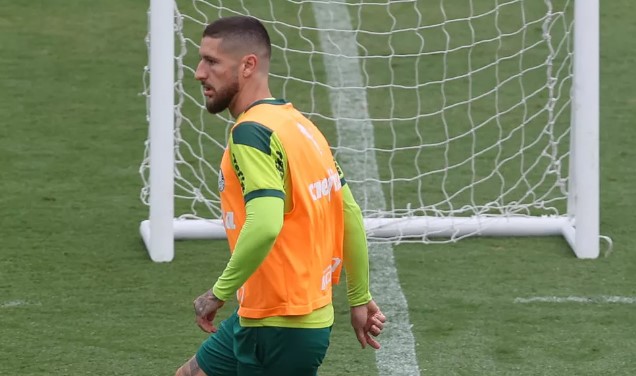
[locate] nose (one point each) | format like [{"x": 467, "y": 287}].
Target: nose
[{"x": 199, "y": 73}]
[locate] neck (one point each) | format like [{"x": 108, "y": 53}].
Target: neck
[{"x": 249, "y": 93}]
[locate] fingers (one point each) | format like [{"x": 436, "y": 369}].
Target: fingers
[
  {"x": 206, "y": 321},
  {"x": 206, "y": 325},
  {"x": 368, "y": 322},
  {"x": 374, "y": 310},
  {"x": 374, "y": 330},
  {"x": 379, "y": 316},
  {"x": 372, "y": 342},
  {"x": 376, "y": 321},
  {"x": 362, "y": 336},
  {"x": 374, "y": 327}
]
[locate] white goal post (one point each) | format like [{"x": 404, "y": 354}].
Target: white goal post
[{"x": 453, "y": 119}]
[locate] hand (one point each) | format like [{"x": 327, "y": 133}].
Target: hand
[
  {"x": 205, "y": 307},
  {"x": 367, "y": 319}
]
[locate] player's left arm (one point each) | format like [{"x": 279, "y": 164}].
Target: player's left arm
[
  {"x": 258, "y": 155},
  {"x": 356, "y": 256}
]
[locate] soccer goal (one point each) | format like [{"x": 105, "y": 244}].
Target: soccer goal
[{"x": 450, "y": 119}]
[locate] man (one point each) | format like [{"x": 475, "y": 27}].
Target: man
[{"x": 290, "y": 218}]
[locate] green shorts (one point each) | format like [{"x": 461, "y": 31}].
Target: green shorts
[{"x": 262, "y": 351}]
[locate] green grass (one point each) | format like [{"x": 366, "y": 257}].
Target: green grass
[{"x": 78, "y": 294}]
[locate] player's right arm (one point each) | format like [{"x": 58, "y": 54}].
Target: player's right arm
[{"x": 258, "y": 157}]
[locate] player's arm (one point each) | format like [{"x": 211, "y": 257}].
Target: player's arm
[
  {"x": 366, "y": 318},
  {"x": 356, "y": 255},
  {"x": 259, "y": 156}
]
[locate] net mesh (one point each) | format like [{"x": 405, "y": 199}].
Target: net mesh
[{"x": 456, "y": 108}]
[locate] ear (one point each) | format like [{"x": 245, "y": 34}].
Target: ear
[{"x": 248, "y": 64}]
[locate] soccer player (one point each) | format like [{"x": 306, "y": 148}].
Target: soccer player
[{"x": 291, "y": 222}]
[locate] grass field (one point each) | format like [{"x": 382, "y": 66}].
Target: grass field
[{"x": 78, "y": 294}]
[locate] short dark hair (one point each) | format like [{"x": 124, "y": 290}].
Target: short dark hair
[{"x": 243, "y": 29}]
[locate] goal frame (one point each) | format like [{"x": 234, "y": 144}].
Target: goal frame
[{"x": 579, "y": 226}]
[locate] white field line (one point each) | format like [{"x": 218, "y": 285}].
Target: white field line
[
  {"x": 578, "y": 299},
  {"x": 16, "y": 303},
  {"x": 349, "y": 101}
]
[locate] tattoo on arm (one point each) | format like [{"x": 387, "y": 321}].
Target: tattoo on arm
[
  {"x": 194, "y": 367},
  {"x": 202, "y": 303},
  {"x": 191, "y": 368}
]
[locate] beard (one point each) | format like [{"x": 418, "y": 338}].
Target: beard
[{"x": 222, "y": 98}]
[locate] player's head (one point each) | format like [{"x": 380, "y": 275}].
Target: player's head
[{"x": 234, "y": 50}]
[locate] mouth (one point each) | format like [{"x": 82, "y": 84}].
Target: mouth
[{"x": 208, "y": 90}]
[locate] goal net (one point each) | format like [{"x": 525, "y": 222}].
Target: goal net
[{"x": 450, "y": 118}]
